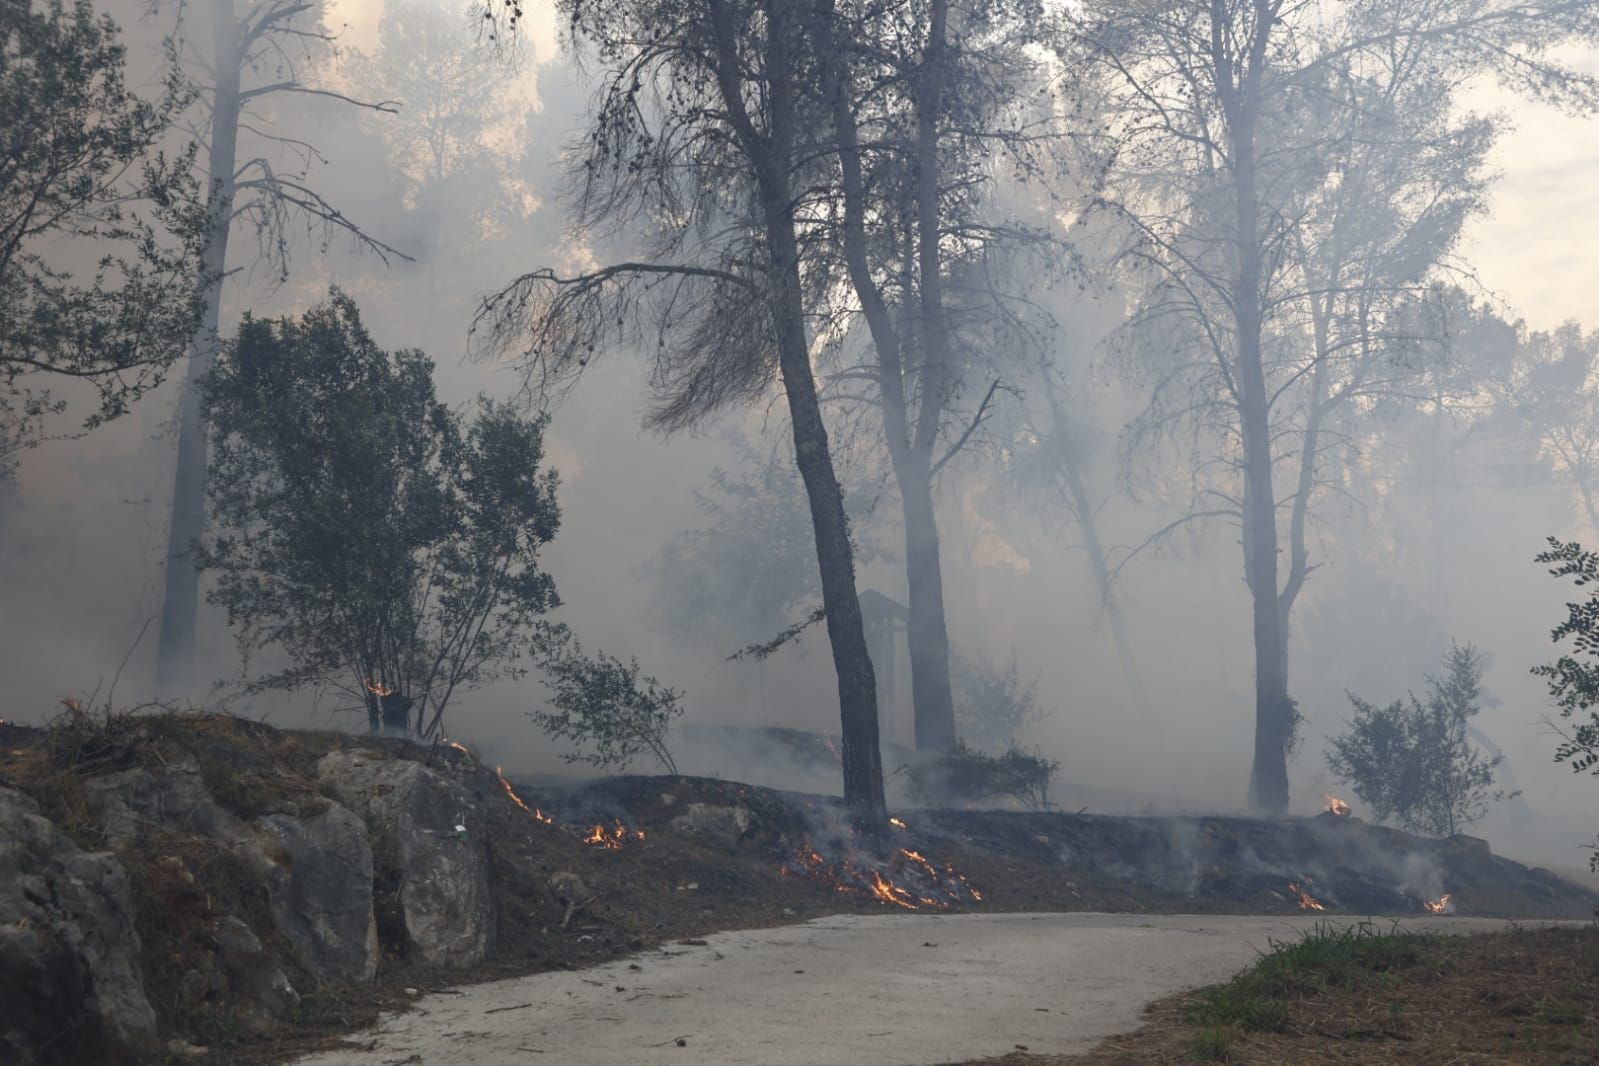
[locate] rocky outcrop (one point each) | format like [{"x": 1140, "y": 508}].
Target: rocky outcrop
[
  {"x": 429, "y": 839},
  {"x": 71, "y": 989},
  {"x": 319, "y": 887},
  {"x": 172, "y": 797}
]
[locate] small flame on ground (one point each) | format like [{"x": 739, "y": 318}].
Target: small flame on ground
[
  {"x": 1306, "y": 901},
  {"x": 611, "y": 838},
  {"x": 910, "y": 884},
  {"x": 1334, "y": 805},
  {"x": 458, "y": 746},
  {"x": 1440, "y": 906},
  {"x": 378, "y": 688},
  {"x": 833, "y": 751},
  {"x": 509, "y": 791},
  {"x": 895, "y": 822}
]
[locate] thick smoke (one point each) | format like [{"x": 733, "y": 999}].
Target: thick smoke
[{"x": 82, "y": 532}]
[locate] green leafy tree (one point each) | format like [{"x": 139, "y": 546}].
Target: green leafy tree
[
  {"x": 385, "y": 543},
  {"x": 1412, "y": 763},
  {"x": 98, "y": 230},
  {"x": 1574, "y": 678}
]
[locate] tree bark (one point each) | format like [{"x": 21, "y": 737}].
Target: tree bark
[
  {"x": 181, "y": 602},
  {"x": 771, "y": 156}
]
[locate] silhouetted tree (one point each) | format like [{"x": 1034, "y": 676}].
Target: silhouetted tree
[
  {"x": 1266, "y": 161},
  {"x": 923, "y": 98},
  {"x": 703, "y": 138}
]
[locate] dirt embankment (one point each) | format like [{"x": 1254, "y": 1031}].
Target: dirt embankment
[{"x": 172, "y": 883}]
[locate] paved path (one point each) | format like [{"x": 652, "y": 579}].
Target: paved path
[{"x": 891, "y": 990}]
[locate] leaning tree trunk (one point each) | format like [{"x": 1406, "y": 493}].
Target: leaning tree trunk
[
  {"x": 857, "y": 686},
  {"x": 181, "y": 602},
  {"x": 857, "y": 693}
]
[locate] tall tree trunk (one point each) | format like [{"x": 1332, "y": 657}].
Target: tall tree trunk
[
  {"x": 1239, "y": 78},
  {"x": 910, "y": 452},
  {"x": 857, "y": 693},
  {"x": 772, "y": 157},
  {"x": 929, "y": 634},
  {"x": 181, "y": 603}
]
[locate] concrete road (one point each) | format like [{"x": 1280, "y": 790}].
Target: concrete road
[{"x": 891, "y": 990}]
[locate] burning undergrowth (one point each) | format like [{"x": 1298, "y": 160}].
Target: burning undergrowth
[
  {"x": 876, "y": 867},
  {"x": 950, "y": 860}
]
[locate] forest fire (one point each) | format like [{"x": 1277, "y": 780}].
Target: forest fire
[
  {"x": 610, "y": 838},
  {"x": 1442, "y": 905},
  {"x": 378, "y": 688},
  {"x": 1333, "y": 805},
  {"x": 1306, "y": 901},
  {"x": 910, "y": 882},
  {"x": 897, "y": 824}
]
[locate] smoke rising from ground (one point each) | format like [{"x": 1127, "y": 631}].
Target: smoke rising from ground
[{"x": 82, "y": 532}]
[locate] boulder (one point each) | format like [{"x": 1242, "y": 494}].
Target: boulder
[
  {"x": 70, "y": 979},
  {"x": 429, "y": 838},
  {"x": 168, "y": 797},
  {"x": 721, "y": 825},
  {"x": 319, "y": 888},
  {"x": 257, "y": 989}
]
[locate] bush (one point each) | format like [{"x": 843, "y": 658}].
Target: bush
[
  {"x": 965, "y": 775},
  {"x": 603, "y": 703},
  {"x": 1411, "y": 763}
]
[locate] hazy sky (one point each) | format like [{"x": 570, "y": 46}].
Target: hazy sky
[
  {"x": 1536, "y": 251},
  {"x": 1537, "y": 248}
]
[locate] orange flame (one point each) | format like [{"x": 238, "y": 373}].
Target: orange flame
[
  {"x": 911, "y": 884},
  {"x": 1334, "y": 805},
  {"x": 610, "y": 838},
  {"x": 509, "y": 791},
  {"x": 378, "y": 688},
  {"x": 458, "y": 746},
  {"x": 1306, "y": 901},
  {"x": 831, "y": 750},
  {"x": 1441, "y": 906},
  {"x": 897, "y": 824}
]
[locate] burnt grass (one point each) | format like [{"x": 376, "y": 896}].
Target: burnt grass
[{"x": 668, "y": 885}]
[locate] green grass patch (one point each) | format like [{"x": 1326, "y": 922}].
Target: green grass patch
[
  {"x": 1257, "y": 1000},
  {"x": 1214, "y": 1043}
]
